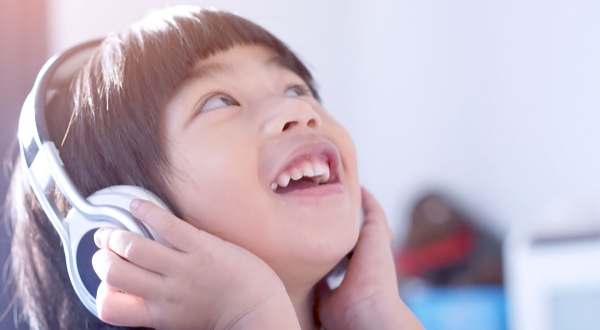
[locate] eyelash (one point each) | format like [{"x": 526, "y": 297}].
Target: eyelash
[
  {"x": 304, "y": 91},
  {"x": 211, "y": 95}
]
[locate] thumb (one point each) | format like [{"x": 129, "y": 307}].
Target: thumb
[
  {"x": 120, "y": 308},
  {"x": 322, "y": 295},
  {"x": 375, "y": 220},
  {"x": 372, "y": 253}
]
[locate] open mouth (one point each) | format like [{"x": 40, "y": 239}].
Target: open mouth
[{"x": 306, "y": 172}]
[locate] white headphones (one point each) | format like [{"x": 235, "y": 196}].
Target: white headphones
[{"x": 108, "y": 207}]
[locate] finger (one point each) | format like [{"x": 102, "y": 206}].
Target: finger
[
  {"x": 371, "y": 207},
  {"x": 141, "y": 251},
  {"x": 180, "y": 234},
  {"x": 119, "y": 308},
  {"x": 125, "y": 276},
  {"x": 372, "y": 256},
  {"x": 322, "y": 297},
  {"x": 375, "y": 219}
]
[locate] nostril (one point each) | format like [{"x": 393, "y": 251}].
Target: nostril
[
  {"x": 288, "y": 125},
  {"x": 311, "y": 123}
]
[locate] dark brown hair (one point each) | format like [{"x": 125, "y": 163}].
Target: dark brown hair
[{"x": 108, "y": 116}]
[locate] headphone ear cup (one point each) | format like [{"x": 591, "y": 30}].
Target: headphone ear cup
[
  {"x": 122, "y": 196},
  {"x": 83, "y": 260},
  {"x": 81, "y": 232}
]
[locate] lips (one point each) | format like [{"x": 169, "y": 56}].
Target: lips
[{"x": 309, "y": 165}]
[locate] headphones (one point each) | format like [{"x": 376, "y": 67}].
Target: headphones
[{"x": 45, "y": 170}]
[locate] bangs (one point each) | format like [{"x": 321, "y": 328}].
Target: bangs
[{"x": 167, "y": 44}]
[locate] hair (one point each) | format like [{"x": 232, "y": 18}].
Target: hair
[{"x": 108, "y": 119}]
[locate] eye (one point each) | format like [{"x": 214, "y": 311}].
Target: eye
[
  {"x": 297, "y": 90},
  {"x": 218, "y": 100}
]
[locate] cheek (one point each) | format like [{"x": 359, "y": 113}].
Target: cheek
[
  {"x": 212, "y": 183},
  {"x": 226, "y": 205},
  {"x": 341, "y": 138},
  {"x": 352, "y": 215}
]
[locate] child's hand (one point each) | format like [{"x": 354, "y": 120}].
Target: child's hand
[
  {"x": 202, "y": 282},
  {"x": 368, "y": 297}
]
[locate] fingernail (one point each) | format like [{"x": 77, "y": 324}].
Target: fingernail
[
  {"x": 98, "y": 236},
  {"x": 135, "y": 204}
]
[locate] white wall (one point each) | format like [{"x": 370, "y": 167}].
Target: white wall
[{"x": 495, "y": 103}]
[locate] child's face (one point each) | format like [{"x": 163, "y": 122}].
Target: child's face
[{"x": 236, "y": 131}]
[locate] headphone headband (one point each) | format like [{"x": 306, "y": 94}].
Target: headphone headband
[
  {"x": 33, "y": 129},
  {"x": 45, "y": 169}
]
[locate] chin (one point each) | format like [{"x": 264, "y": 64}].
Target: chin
[{"x": 320, "y": 256}]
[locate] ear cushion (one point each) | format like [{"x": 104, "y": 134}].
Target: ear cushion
[
  {"x": 81, "y": 231},
  {"x": 122, "y": 196}
]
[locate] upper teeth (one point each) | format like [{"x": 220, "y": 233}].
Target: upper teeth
[{"x": 314, "y": 168}]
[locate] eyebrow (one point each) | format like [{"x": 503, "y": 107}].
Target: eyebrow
[
  {"x": 211, "y": 69},
  {"x": 207, "y": 70},
  {"x": 277, "y": 60}
]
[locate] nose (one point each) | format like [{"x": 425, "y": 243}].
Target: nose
[{"x": 289, "y": 114}]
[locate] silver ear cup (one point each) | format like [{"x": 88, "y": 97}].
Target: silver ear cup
[
  {"x": 83, "y": 247},
  {"x": 122, "y": 196},
  {"x": 81, "y": 232},
  {"x": 79, "y": 261}
]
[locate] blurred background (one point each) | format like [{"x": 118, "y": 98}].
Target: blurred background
[{"x": 476, "y": 124}]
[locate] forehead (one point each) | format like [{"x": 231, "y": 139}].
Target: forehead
[{"x": 236, "y": 60}]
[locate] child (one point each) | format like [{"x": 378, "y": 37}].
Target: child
[{"x": 222, "y": 122}]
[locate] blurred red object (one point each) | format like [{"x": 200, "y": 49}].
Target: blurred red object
[
  {"x": 417, "y": 261},
  {"x": 446, "y": 247}
]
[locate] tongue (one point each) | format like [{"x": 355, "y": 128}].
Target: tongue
[{"x": 303, "y": 183}]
